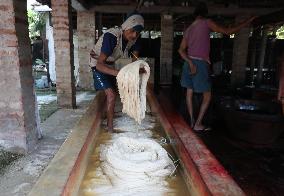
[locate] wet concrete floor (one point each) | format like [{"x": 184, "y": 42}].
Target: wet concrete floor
[{"x": 259, "y": 171}]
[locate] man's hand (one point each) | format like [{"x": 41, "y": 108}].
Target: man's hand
[{"x": 192, "y": 69}]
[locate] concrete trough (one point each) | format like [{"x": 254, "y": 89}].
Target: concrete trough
[{"x": 202, "y": 173}]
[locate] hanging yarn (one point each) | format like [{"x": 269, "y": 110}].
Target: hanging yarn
[{"x": 132, "y": 89}]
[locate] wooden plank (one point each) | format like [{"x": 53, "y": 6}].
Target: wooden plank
[
  {"x": 213, "y": 10},
  {"x": 270, "y": 18}
]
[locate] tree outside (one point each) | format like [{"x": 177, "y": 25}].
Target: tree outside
[
  {"x": 280, "y": 33},
  {"x": 36, "y": 24}
]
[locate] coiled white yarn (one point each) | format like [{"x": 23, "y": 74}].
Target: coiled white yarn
[
  {"x": 135, "y": 165},
  {"x": 132, "y": 89},
  {"x": 131, "y": 163},
  {"x": 137, "y": 155}
]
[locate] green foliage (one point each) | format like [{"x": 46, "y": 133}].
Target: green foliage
[
  {"x": 39, "y": 62},
  {"x": 280, "y": 33},
  {"x": 36, "y": 23}
]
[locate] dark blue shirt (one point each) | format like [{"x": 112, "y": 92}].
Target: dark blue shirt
[{"x": 109, "y": 43}]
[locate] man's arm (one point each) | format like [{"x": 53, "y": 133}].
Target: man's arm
[
  {"x": 182, "y": 52},
  {"x": 103, "y": 67},
  {"x": 108, "y": 45},
  {"x": 229, "y": 30}
]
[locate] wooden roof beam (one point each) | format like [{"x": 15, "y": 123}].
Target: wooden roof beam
[
  {"x": 213, "y": 10},
  {"x": 274, "y": 17},
  {"x": 79, "y": 5}
]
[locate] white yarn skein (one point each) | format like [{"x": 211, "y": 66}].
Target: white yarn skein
[
  {"x": 136, "y": 164},
  {"x": 132, "y": 89}
]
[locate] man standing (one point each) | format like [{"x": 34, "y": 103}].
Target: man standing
[
  {"x": 112, "y": 45},
  {"x": 195, "y": 49}
]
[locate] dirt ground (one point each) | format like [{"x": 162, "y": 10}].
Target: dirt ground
[{"x": 18, "y": 178}]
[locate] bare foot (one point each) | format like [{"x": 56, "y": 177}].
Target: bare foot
[
  {"x": 110, "y": 129},
  {"x": 201, "y": 128}
]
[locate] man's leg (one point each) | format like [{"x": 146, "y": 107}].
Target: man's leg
[
  {"x": 110, "y": 94},
  {"x": 203, "y": 108},
  {"x": 189, "y": 94}
]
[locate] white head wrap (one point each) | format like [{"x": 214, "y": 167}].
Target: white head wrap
[{"x": 133, "y": 21}]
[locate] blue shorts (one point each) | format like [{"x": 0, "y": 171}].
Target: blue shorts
[
  {"x": 103, "y": 81},
  {"x": 199, "y": 82}
]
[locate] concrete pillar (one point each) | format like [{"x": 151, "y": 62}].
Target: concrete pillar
[
  {"x": 253, "y": 63},
  {"x": 86, "y": 39},
  {"x": 64, "y": 58},
  {"x": 270, "y": 60},
  {"x": 166, "y": 51},
  {"x": 261, "y": 56},
  {"x": 240, "y": 52},
  {"x": 17, "y": 100}
]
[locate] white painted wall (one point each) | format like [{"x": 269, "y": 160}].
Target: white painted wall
[
  {"x": 51, "y": 51},
  {"x": 76, "y": 58}
]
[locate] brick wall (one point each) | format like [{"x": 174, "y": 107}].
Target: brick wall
[
  {"x": 166, "y": 51},
  {"x": 17, "y": 102},
  {"x": 64, "y": 59},
  {"x": 86, "y": 40}
]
